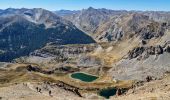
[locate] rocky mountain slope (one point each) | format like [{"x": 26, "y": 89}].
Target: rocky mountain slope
[
  {"x": 160, "y": 16},
  {"x": 53, "y": 55},
  {"x": 128, "y": 26},
  {"x": 66, "y": 12},
  {"x": 89, "y": 19},
  {"x": 154, "y": 90},
  {"x": 25, "y": 30},
  {"x": 108, "y": 25}
]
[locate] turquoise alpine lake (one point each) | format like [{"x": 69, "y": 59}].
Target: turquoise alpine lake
[
  {"x": 84, "y": 77},
  {"x": 108, "y": 92}
]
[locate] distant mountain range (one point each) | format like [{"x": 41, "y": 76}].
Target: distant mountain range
[
  {"x": 66, "y": 12},
  {"x": 111, "y": 25},
  {"x": 25, "y": 30}
]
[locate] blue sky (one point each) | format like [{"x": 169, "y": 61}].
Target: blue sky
[{"x": 163, "y": 5}]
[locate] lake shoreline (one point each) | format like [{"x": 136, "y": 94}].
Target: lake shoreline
[{"x": 84, "y": 77}]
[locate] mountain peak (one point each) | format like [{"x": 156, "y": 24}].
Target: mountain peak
[
  {"x": 90, "y": 8},
  {"x": 39, "y": 9}
]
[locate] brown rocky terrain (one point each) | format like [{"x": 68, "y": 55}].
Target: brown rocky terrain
[
  {"x": 131, "y": 55},
  {"x": 154, "y": 90},
  {"x": 108, "y": 25}
]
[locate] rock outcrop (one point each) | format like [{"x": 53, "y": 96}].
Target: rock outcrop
[
  {"x": 145, "y": 52},
  {"x": 89, "y": 61}
]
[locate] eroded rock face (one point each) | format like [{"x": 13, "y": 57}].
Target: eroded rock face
[
  {"x": 144, "y": 63},
  {"x": 34, "y": 69},
  {"x": 88, "y": 61},
  {"x": 167, "y": 49},
  {"x": 68, "y": 87},
  {"x": 144, "y": 52},
  {"x": 110, "y": 32},
  {"x": 57, "y": 56},
  {"x": 66, "y": 50},
  {"x": 136, "y": 52},
  {"x": 37, "y": 69},
  {"x": 152, "y": 30},
  {"x": 62, "y": 69},
  {"x": 158, "y": 50},
  {"x": 62, "y": 53}
]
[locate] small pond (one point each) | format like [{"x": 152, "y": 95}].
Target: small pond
[
  {"x": 108, "y": 92},
  {"x": 84, "y": 77}
]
